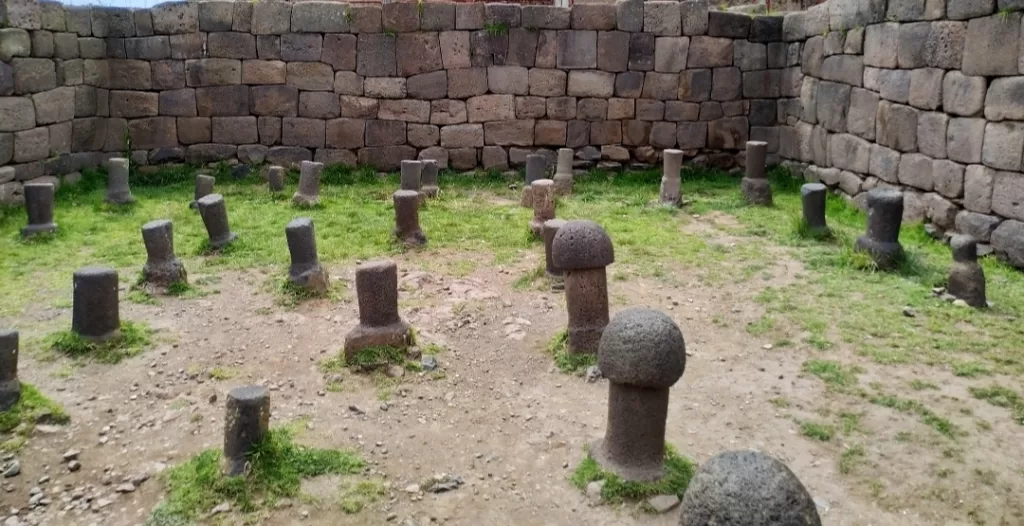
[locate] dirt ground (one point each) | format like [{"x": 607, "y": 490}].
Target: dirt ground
[{"x": 503, "y": 417}]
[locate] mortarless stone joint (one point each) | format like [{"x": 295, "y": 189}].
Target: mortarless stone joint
[
  {"x": 246, "y": 424},
  {"x": 882, "y": 240},
  {"x": 305, "y": 270},
  {"x": 308, "y": 192},
  {"x": 582, "y": 250},
  {"x": 756, "y": 188},
  {"x": 118, "y": 190},
  {"x": 379, "y": 322},
  {"x": 95, "y": 314},
  {"x": 407, "y": 218},
  {"x": 162, "y": 267},
  {"x": 642, "y": 354},
  {"x": 966, "y": 277},
  {"x": 10, "y": 387},
  {"x": 215, "y": 216},
  {"x": 39, "y": 207}
]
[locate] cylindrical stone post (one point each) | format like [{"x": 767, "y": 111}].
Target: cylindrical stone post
[
  {"x": 554, "y": 273},
  {"x": 39, "y": 206},
  {"x": 428, "y": 178},
  {"x": 246, "y": 424},
  {"x": 162, "y": 266},
  {"x": 215, "y": 216},
  {"x": 308, "y": 192},
  {"x": 966, "y": 277},
  {"x": 95, "y": 314},
  {"x": 10, "y": 387},
  {"x": 275, "y": 178},
  {"x": 204, "y": 187},
  {"x": 756, "y": 188},
  {"x": 563, "y": 172},
  {"x": 812, "y": 197},
  {"x": 536, "y": 165},
  {"x": 407, "y": 218},
  {"x": 671, "y": 182},
  {"x": 305, "y": 270},
  {"x": 411, "y": 173},
  {"x": 642, "y": 354},
  {"x": 118, "y": 190},
  {"x": 885, "y": 216},
  {"x": 582, "y": 249},
  {"x": 379, "y": 321},
  {"x": 543, "y": 205}
]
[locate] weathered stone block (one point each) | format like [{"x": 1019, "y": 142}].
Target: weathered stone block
[
  {"x": 153, "y": 132},
  {"x": 311, "y": 76},
  {"x": 963, "y": 95},
  {"x": 385, "y": 87},
  {"x": 530, "y": 107},
  {"x": 986, "y": 49},
  {"x": 710, "y": 52},
  {"x": 926, "y": 88},
  {"x": 301, "y": 47},
  {"x": 345, "y": 133},
  {"x": 279, "y": 101},
  {"x": 622, "y": 109},
  {"x": 177, "y": 103},
  {"x": 422, "y": 135},
  {"x": 271, "y": 17},
  {"x": 486, "y": 108},
  {"x": 916, "y": 170},
  {"x": 944, "y": 47},
  {"x": 670, "y": 54},
  {"x": 662, "y": 18},
  {"x": 216, "y": 15},
  {"x": 1005, "y": 99},
  {"x": 691, "y": 135},
  {"x": 56, "y": 105},
  {"x": 308, "y": 133},
  {"x": 850, "y": 153},
  {"x": 750, "y": 56},
  {"x": 966, "y": 9},
  {"x": 33, "y": 75},
  {"x": 600, "y": 17},
  {"x": 418, "y": 53},
  {"x": 896, "y": 126},
  {"x": 513, "y": 80},
  {"x": 494, "y": 158},
  {"x": 881, "y": 42},
  {"x": 507, "y": 15},
  {"x": 860, "y": 119},
  {"x": 131, "y": 104},
  {"x": 766, "y": 28},
  {"x": 241, "y": 19},
  {"x": 547, "y": 82},
  {"x": 222, "y": 101},
  {"x": 509, "y": 133},
  {"x": 319, "y": 105},
  {"x": 561, "y": 108},
  {"x": 948, "y": 178},
  {"x": 264, "y": 72},
  {"x": 629, "y": 84},
  {"x": 168, "y": 74},
  {"x": 445, "y": 112},
  {"x": 455, "y": 49},
  {"x": 437, "y": 17},
  {"x": 549, "y": 133},
  {"x": 364, "y": 18},
  {"x": 592, "y": 110},
  {"x": 376, "y": 55},
  {"x": 469, "y": 16},
  {"x": 978, "y": 226},
  {"x": 894, "y": 85},
  {"x": 729, "y": 133},
  {"x": 231, "y": 45},
  {"x": 212, "y": 72},
  {"x": 192, "y": 45},
  {"x": 582, "y": 83},
  {"x": 608, "y": 132},
  {"x": 1003, "y": 146},
  {"x": 31, "y": 145},
  {"x": 912, "y": 39},
  {"x": 728, "y": 24},
  {"x": 577, "y": 49},
  {"x": 358, "y": 107},
  {"x": 710, "y": 111},
  {"x": 1007, "y": 197},
  {"x": 695, "y": 84},
  {"x": 763, "y": 84},
  {"x": 694, "y": 17},
  {"x": 613, "y": 51},
  {"x": 112, "y": 22},
  {"x": 848, "y": 14},
  {"x": 833, "y": 102},
  {"x": 641, "y": 51},
  {"x": 964, "y": 139},
  {"x": 234, "y": 130},
  {"x": 195, "y": 130},
  {"x": 522, "y": 47},
  {"x": 931, "y": 134},
  {"x": 319, "y": 17},
  {"x": 727, "y": 84},
  {"x": 978, "y": 184},
  {"x": 462, "y": 136},
  {"x": 659, "y": 86},
  {"x": 404, "y": 110}
]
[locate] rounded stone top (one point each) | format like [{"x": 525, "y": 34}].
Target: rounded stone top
[
  {"x": 812, "y": 188},
  {"x": 156, "y": 224},
  {"x": 747, "y": 488},
  {"x": 95, "y": 272},
  {"x": 642, "y": 347},
  {"x": 757, "y": 144},
  {"x": 406, "y": 194},
  {"x": 377, "y": 267},
  {"x": 299, "y": 223},
  {"x": 209, "y": 200},
  {"x": 884, "y": 197},
  {"x": 582, "y": 244},
  {"x": 205, "y": 177},
  {"x": 965, "y": 248},
  {"x": 248, "y": 393},
  {"x": 8, "y": 339},
  {"x": 543, "y": 182},
  {"x": 311, "y": 165}
]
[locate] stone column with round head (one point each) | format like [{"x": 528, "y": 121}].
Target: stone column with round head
[
  {"x": 966, "y": 277},
  {"x": 582, "y": 250},
  {"x": 305, "y": 270},
  {"x": 308, "y": 192},
  {"x": 885, "y": 216},
  {"x": 407, "y": 218},
  {"x": 429, "y": 178},
  {"x": 563, "y": 172},
  {"x": 543, "y": 205},
  {"x": 162, "y": 267},
  {"x": 39, "y": 206},
  {"x": 246, "y": 424},
  {"x": 118, "y": 190},
  {"x": 215, "y": 216},
  {"x": 554, "y": 273},
  {"x": 642, "y": 354},
  {"x": 756, "y": 188},
  {"x": 411, "y": 173},
  {"x": 746, "y": 488},
  {"x": 812, "y": 199},
  {"x": 536, "y": 166},
  {"x": 10, "y": 387},
  {"x": 275, "y": 178},
  {"x": 671, "y": 182},
  {"x": 95, "y": 314},
  {"x": 379, "y": 322},
  {"x": 204, "y": 187}
]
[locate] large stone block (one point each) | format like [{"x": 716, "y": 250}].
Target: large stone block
[
  {"x": 455, "y": 50},
  {"x": 131, "y": 104},
  {"x": 345, "y": 133},
  {"x": 192, "y": 45},
  {"x": 577, "y": 49},
  {"x": 833, "y": 103},
  {"x": 1007, "y": 196},
  {"x": 195, "y": 130},
  {"x": 264, "y": 72},
  {"x": 404, "y": 110},
  {"x": 445, "y": 112},
  {"x": 662, "y": 18},
  {"x": 231, "y": 45},
  {"x": 216, "y": 15},
  {"x": 912, "y": 39},
  {"x": 422, "y": 135},
  {"x": 358, "y": 107},
  {"x": 487, "y": 108},
  {"x": 339, "y": 51},
  {"x": 601, "y": 17},
  {"x": 547, "y": 82},
  {"x": 400, "y": 17},
  {"x": 212, "y": 72},
  {"x": 848, "y": 14},
  {"x": 469, "y": 82},
  {"x": 729, "y": 25},
  {"x": 978, "y": 226},
  {"x": 148, "y": 48},
  {"x": 766, "y": 28},
  {"x": 376, "y": 55},
  {"x": 850, "y": 153},
  {"x": 307, "y": 133},
  {"x": 112, "y": 22},
  {"x": 33, "y": 75},
  {"x": 319, "y": 17},
  {"x": 513, "y": 80},
  {"x": 750, "y": 56},
  {"x": 56, "y": 105},
  {"x": 1003, "y": 146},
  {"x": 311, "y": 76},
  {"x": 948, "y": 178},
  {"x": 177, "y": 103},
  {"x": 670, "y": 54},
  {"x": 986, "y": 49},
  {"x": 549, "y": 133},
  {"x": 241, "y": 19},
  {"x": 509, "y": 133},
  {"x": 364, "y": 18},
  {"x": 629, "y": 84},
  {"x": 65, "y": 46},
  {"x": 978, "y": 183},
  {"x": 31, "y": 145},
  {"x": 1005, "y": 99},
  {"x": 710, "y": 52},
  {"x": 462, "y": 136},
  {"x": 944, "y": 47},
  {"x": 613, "y": 51},
  {"x": 561, "y": 108},
  {"x": 592, "y": 110},
  {"x": 288, "y": 156},
  {"x": 385, "y": 87},
  {"x": 641, "y": 51},
  {"x": 658, "y": 86},
  {"x": 278, "y": 101},
  {"x": 301, "y": 47},
  {"x": 763, "y": 84},
  {"x": 895, "y": 126},
  {"x": 694, "y": 17},
  {"x": 931, "y": 134},
  {"x": 729, "y": 133},
  {"x": 691, "y": 135},
  {"x": 894, "y": 85},
  {"x": 963, "y": 95},
  {"x": 222, "y": 101},
  {"x": 175, "y": 17},
  {"x": 522, "y": 47},
  {"x": 318, "y": 105},
  {"x": 926, "y": 88},
  {"x": 271, "y": 17},
  {"x": 153, "y": 132},
  {"x": 610, "y": 132},
  {"x": 881, "y": 42},
  {"x": 584, "y": 83},
  {"x": 860, "y": 119},
  {"x": 234, "y": 130},
  {"x": 727, "y": 84},
  {"x": 418, "y": 53},
  {"x": 695, "y": 84},
  {"x": 426, "y": 86},
  {"x": 916, "y": 170},
  {"x": 507, "y": 15},
  {"x": 964, "y": 139},
  {"x": 803, "y": 24}
]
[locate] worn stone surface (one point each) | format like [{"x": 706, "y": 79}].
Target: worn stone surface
[
  {"x": 1005, "y": 99},
  {"x": 986, "y": 51},
  {"x": 710, "y": 52},
  {"x": 964, "y": 139},
  {"x": 1008, "y": 241},
  {"x": 1003, "y": 145}
]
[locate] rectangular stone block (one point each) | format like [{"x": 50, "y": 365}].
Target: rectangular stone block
[
  {"x": 177, "y": 103},
  {"x": 695, "y": 85},
  {"x": 462, "y": 136},
  {"x": 607, "y": 132},
  {"x": 549, "y": 133},
  {"x": 307, "y": 133},
  {"x": 358, "y": 107},
  {"x": 677, "y": 111},
  {"x": 319, "y": 105},
  {"x": 301, "y": 47},
  {"x": 577, "y": 49},
  {"x": 670, "y": 54},
  {"x": 729, "y": 25},
  {"x": 339, "y": 51},
  {"x": 964, "y": 139},
  {"x": 469, "y": 16},
  {"x": 1005, "y": 99},
  {"x": 613, "y": 51},
  {"x": 963, "y": 95},
  {"x": 658, "y": 86},
  {"x": 194, "y": 130},
  {"x": 234, "y": 130},
  {"x": 376, "y": 55},
  {"x": 437, "y": 17},
  {"x": 916, "y": 170},
  {"x": 885, "y": 163},
  {"x": 894, "y": 85},
  {"x": 848, "y": 69},
  {"x": 153, "y": 132},
  {"x": 271, "y": 17},
  {"x": 216, "y": 15},
  {"x": 345, "y": 133},
  {"x": 662, "y": 18},
  {"x": 931, "y": 134},
  {"x": 213, "y": 72},
  {"x": 486, "y": 108},
  {"x": 860, "y": 119},
  {"x": 404, "y": 110},
  {"x": 763, "y": 84},
  {"x": 629, "y": 84},
  {"x": 264, "y": 72},
  {"x": 986, "y": 51},
  {"x": 231, "y": 45},
  {"x": 522, "y": 47},
  {"x": 561, "y": 108},
  {"x": 131, "y": 104},
  {"x": 385, "y": 87},
  {"x": 881, "y": 43},
  {"x": 505, "y": 15},
  {"x": 222, "y": 101},
  {"x": 833, "y": 101},
  {"x": 112, "y": 22},
  {"x": 583, "y": 83},
  {"x": 1003, "y": 146},
  {"x": 320, "y": 17},
  {"x": 279, "y": 101},
  {"x": 385, "y": 133},
  {"x": 727, "y": 84},
  {"x": 710, "y": 52},
  {"x": 185, "y": 46},
  {"x": 729, "y": 133},
  {"x": 1008, "y": 196},
  {"x": 311, "y": 76},
  {"x": 417, "y": 53},
  {"x": 445, "y": 112},
  {"x": 364, "y": 18},
  {"x": 600, "y": 17},
  {"x": 895, "y": 126},
  {"x": 926, "y": 88},
  {"x": 455, "y": 50},
  {"x": 945, "y": 45}
]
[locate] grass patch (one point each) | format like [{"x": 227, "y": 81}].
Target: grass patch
[
  {"x": 358, "y": 494},
  {"x": 222, "y": 373},
  {"x": 566, "y": 362},
  {"x": 921, "y": 385},
  {"x": 374, "y": 357},
  {"x": 1002, "y": 397},
  {"x": 836, "y": 376},
  {"x": 528, "y": 280},
  {"x": 288, "y": 294},
  {"x": 850, "y": 458},
  {"x": 927, "y": 416},
  {"x": 32, "y": 408},
  {"x": 817, "y": 431},
  {"x": 133, "y": 340},
  {"x": 850, "y": 422},
  {"x": 678, "y": 472},
  {"x": 278, "y": 466}
]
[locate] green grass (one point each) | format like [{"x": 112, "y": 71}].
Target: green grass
[
  {"x": 373, "y": 357},
  {"x": 817, "y": 431},
  {"x": 357, "y": 494},
  {"x": 850, "y": 458},
  {"x": 942, "y": 425},
  {"x": 566, "y": 362},
  {"x": 678, "y": 472},
  {"x": 134, "y": 338},
  {"x": 1001, "y": 397},
  {"x": 529, "y": 280},
  {"x": 17, "y": 423},
  {"x": 278, "y": 466},
  {"x": 288, "y": 294},
  {"x": 836, "y": 376}
]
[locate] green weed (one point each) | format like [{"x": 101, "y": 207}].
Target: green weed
[
  {"x": 134, "y": 338},
  {"x": 357, "y": 494},
  {"x": 836, "y": 376},
  {"x": 817, "y": 431},
  {"x": 929, "y": 418},
  {"x": 1001, "y": 397},
  {"x": 850, "y": 458},
  {"x": 566, "y": 362},
  {"x": 678, "y": 472},
  {"x": 378, "y": 356},
  {"x": 31, "y": 409}
]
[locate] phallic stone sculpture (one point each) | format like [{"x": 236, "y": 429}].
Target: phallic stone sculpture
[
  {"x": 966, "y": 277},
  {"x": 582, "y": 250},
  {"x": 305, "y": 270},
  {"x": 95, "y": 314},
  {"x": 215, "y": 216},
  {"x": 10, "y": 387},
  {"x": 536, "y": 165},
  {"x": 756, "y": 188},
  {"x": 407, "y": 218},
  {"x": 543, "y": 205},
  {"x": 162, "y": 266},
  {"x": 379, "y": 322},
  {"x": 246, "y": 424},
  {"x": 671, "y": 182},
  {"x": 746, "y": 488},
  {"x": 812, "y": 197},
  {"x": 204, "y": 187},
  {"x": 428, "y": 177},
  {"x": 642, "y": 354},
  {"x": 118, "y": 190},
  {"x": 885, "y": 216},
  {"x": 275, "y": 178},
  {"x": 563, "y": 172},
  {"x": 411, "y": 173},
  {"x": 39, "y": 206},
  {"x": 308, "y": 192},
  {"x": 554, "y": 273}
]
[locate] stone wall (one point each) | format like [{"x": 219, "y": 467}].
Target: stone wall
[
  {"x": 927, "y": 95},
  {"x": 467, "y": 84}
]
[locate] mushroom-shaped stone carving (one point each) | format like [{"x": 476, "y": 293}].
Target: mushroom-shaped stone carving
[{"x": 582, "y": 249}]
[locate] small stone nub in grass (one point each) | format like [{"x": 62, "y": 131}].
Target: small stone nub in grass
[
  {"x": 32, "y": 408},
  {"x": 133, "y": 340},
  {"x": 678, "y": 472},
  {"x": 568, "y": 363}
]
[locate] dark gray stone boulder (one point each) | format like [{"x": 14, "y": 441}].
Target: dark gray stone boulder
[
  {"x": 582, "y": 244},
  {"x": 644, "y": 348}
]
